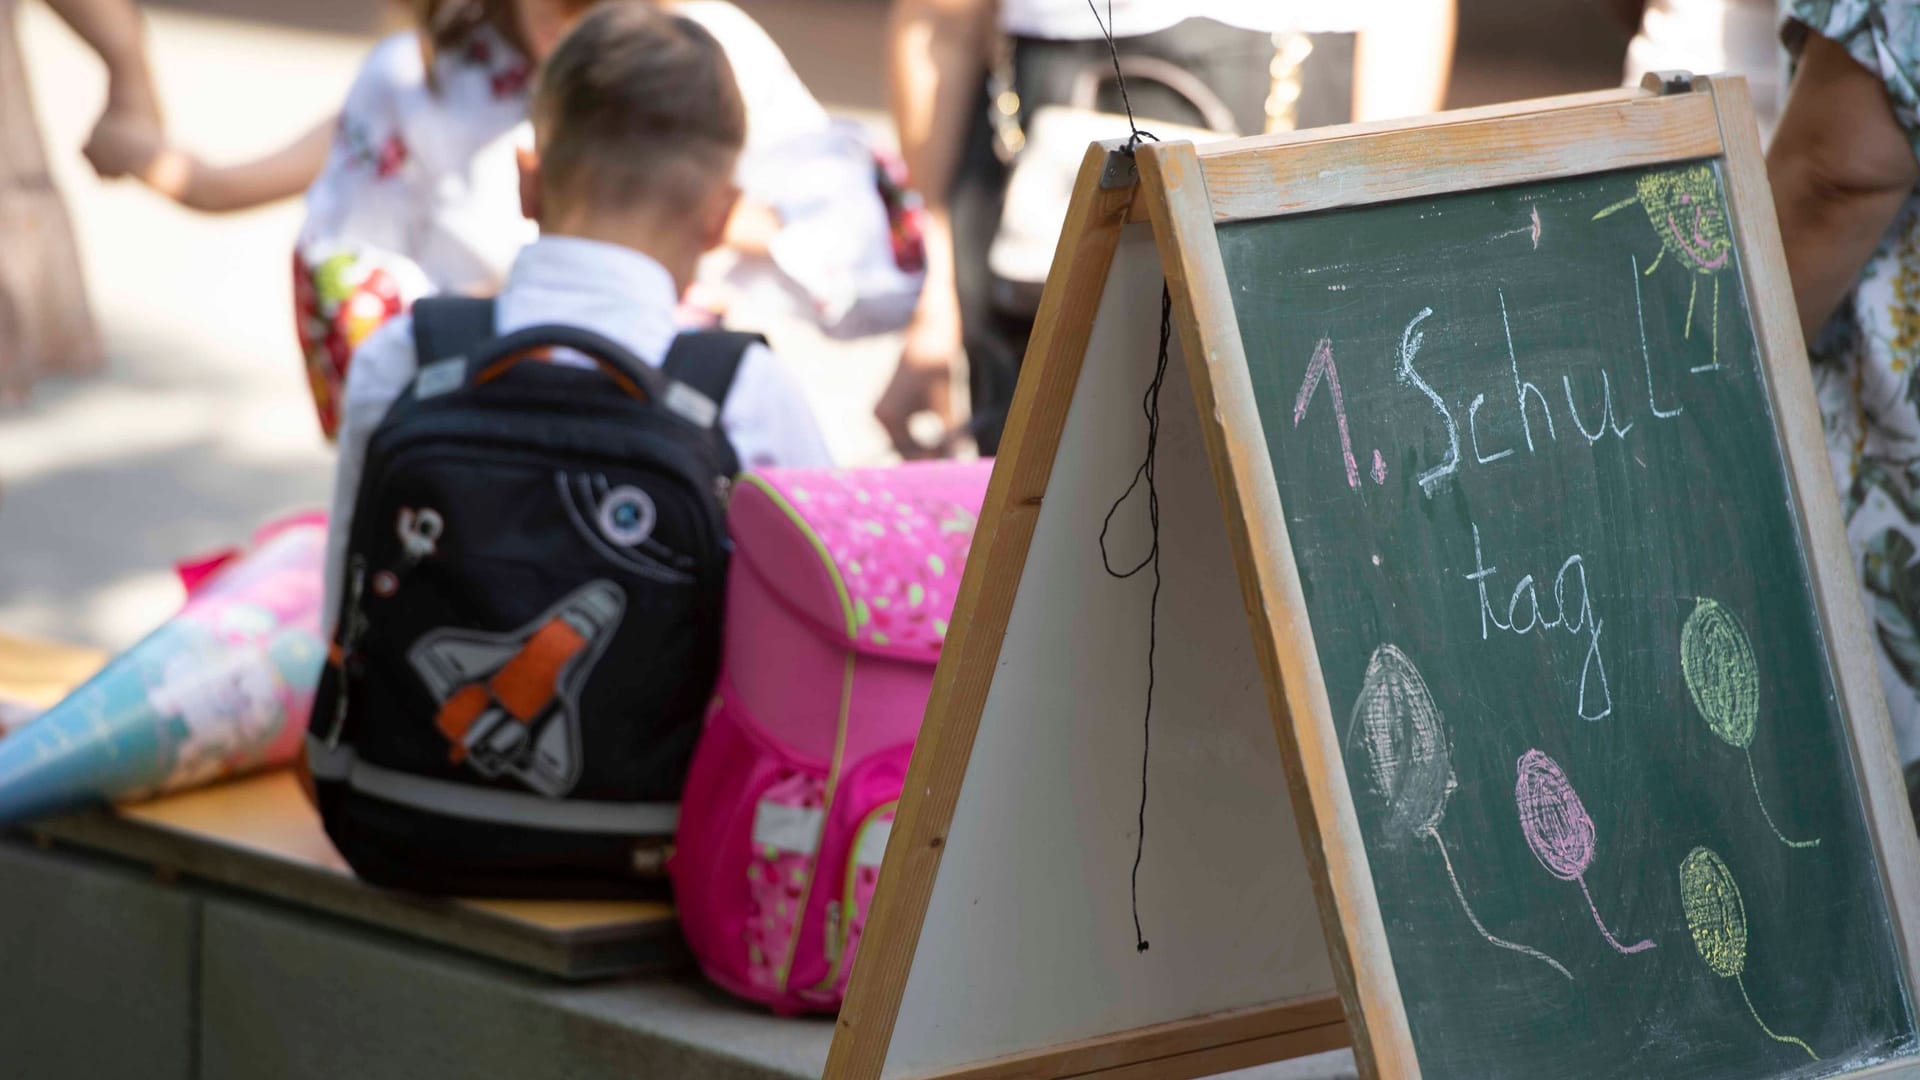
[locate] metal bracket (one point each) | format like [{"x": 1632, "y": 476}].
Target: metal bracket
[
  {"x": 1121, "y": 171},
  {"x": 1668, "y": 82}
]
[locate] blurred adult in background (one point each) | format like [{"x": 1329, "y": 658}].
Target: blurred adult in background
[
  {"x": 46, "y": 324},
  {"x": 1705, "y": 36},
  {"x": 961, "y": 73},
  {"x": 1843, "y": 170}
]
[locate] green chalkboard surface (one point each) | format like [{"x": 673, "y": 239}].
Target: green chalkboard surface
[{"x": 1553, "y": 571}]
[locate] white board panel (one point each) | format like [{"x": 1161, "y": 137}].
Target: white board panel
[{"x": 1028, "y": 939}]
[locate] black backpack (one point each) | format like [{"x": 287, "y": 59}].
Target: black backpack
[{"x": 529, "y": 625}]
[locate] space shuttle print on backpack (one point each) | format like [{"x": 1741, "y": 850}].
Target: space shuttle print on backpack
[
  {"x": 529, "y": 623},
  {"x": 510, "y": 703}
]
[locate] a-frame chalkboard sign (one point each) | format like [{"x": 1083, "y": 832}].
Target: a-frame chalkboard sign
[{"x": 1491, "y": 481}]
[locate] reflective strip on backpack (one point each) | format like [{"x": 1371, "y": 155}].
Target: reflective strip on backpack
[{"x": 341, "y": 765}]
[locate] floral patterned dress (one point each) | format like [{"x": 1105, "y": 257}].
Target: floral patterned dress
[
  {"x": 420, "y": 194},
  {"x": 1863, "y": 366}
]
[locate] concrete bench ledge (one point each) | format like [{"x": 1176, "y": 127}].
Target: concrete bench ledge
[
  {"x": 284, "y": 995},
  {"x": 109, "y": 974}
]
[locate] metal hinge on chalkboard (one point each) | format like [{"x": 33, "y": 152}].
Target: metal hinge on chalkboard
[
  {"x": 1120, "y": 170},
  {"x": 1668, "y": 82}
]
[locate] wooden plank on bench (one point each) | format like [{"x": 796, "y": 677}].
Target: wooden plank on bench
[{"x": 40, "y": 673}]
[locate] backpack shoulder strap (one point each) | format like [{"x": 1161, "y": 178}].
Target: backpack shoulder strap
[
  {"x": 708, "y": 360},
  {"x": 448, "y": 326}
]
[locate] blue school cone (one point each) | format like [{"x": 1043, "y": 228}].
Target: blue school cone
[{"x": 222, "y": 688}]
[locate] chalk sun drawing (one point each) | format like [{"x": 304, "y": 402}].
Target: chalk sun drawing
[
  {"x": 1718, "y": 921},
  {"x": 1683, "y": 206},
  {"x": 1724, "y": 679},
  {"x": 1560, "y": 831},
  {"x": 1410, "y": 766}
]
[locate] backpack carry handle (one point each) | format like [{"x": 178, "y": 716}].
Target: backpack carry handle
[{"x": 631, "y": 374}]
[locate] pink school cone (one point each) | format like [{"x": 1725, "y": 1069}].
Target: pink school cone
[{"x": 222, "y": 688}]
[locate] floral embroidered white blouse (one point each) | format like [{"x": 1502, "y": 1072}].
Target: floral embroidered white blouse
[{"x": 420, "y": 195}]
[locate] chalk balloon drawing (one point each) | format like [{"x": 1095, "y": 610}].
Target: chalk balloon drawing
[
  {"x": 1724, "y": 679},
  {"x": 1410, "y": 766},
  {"x": 1683, "y": 206},
  {"x": 1560, "y": 831},
  {"x": 1409, "y": 760},
  {"x": 1718, "y": 920}
]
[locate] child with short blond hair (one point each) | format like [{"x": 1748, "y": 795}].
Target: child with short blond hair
[{"x": 638, "y": 125}]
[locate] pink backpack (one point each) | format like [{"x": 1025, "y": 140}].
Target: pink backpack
[{"x": 841, "y": 586}]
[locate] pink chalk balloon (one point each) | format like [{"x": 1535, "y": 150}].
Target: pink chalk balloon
[
  {"x": 1560, "y": 831},
  {"x": 1557, "y": 826}
]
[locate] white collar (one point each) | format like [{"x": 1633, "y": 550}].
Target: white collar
[{"x": 614, "y": 291}]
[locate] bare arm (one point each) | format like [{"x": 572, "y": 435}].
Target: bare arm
[
  {"x": 1841, "y": 168},
  {"x": 751, "y": 228},
  {"x": 1401, "y": 65},
  {"x": 284, "y": 173},
  {"x": 114, "y": 29},
  {"x": 935, "y": 59}
]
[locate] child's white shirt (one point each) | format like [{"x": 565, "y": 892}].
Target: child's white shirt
[{"x": 613, "y": 291}]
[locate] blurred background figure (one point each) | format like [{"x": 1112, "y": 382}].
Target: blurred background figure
[
  {"x": 1702, "y": 36},
  {"x": 1844, "y": 170},
  {"x": 968, "y": 79},
  {"x": 46, "y": 323}
]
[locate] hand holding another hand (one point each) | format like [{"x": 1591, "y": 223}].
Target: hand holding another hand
[{"x": 123, "y": 143}]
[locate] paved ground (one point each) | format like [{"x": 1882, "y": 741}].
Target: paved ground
[{"x": 200, "y": 428}]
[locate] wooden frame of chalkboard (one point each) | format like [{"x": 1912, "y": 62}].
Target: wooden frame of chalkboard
[{"x": 1185, "y": 196}]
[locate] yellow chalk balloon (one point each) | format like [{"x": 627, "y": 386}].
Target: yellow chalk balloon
[
  {"x": 1715, "y": 914},
  {"x": 1718, "y": 920}
]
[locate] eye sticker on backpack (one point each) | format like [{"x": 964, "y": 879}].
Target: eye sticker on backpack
[
  {"x": 627, "y": 516},
  {"x": 618, "y": 523}
]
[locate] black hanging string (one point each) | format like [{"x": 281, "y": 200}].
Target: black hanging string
[
  {"x": 1150, "y": 406},
  {"x": 1120, "y": 78}
]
